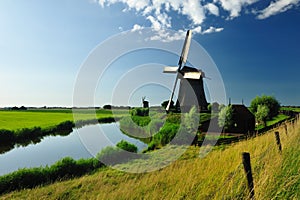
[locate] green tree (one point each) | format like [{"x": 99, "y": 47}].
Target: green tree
[
  {"x": 191, "y": 120},
  {"x": 225, "y": 117},
  {"x": 269, "y": 101},
  {"x": 221, "y": 106},
  {"x": 262, "y": 114}
]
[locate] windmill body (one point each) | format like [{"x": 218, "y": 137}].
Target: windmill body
[{"x": 191, "y": 88}]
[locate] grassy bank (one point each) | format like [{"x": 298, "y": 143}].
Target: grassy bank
[
  {"x": 44, "y": 118},
  {"x": 26, "y": 127},
  {"x": 219, "y": 175}
]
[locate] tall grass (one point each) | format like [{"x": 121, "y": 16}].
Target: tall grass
[{"x": 219, "y": 175}]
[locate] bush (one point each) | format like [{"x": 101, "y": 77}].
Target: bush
[
  {"x": 139, "y": 112},
  {"x": 166, "y": 134},
  {"x": 6, "y": 136},
  {"x": 173, "y": 118},
  {"x": 62, "y": 169},
  {"x": 127, "y": 146},
  {"x": 133, "y": 126},
  {"x": 114, "y": 155},
  {"x": 66, "y": 126}
]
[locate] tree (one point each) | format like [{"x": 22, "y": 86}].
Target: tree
[
  {"x": 272, "y": 104},
  {"x": 165, "y": 103},
  {"x": 108, "y": 107},
  {"x": 191, "y": 120},
  {"x": 225, "y": 117},
  {"x": 261, "y": 114},
  {"x": 221, "y": 106}
]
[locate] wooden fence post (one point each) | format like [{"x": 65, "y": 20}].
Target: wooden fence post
[
  {"x": 278, "y": 140},
  {"x": 248, "y": 171},
  {"x": 286, "y": 130}
]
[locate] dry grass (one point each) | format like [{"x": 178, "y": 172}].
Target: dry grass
[{"x": 219, "y": 175}]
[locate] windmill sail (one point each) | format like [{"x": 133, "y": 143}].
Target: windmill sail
[
  {"x": 182, "y": 61},
  {"x": 185, "y": 49},
  {"x": 170, "y": 70}
]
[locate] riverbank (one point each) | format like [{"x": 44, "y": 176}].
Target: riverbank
[{"x": 31, "y": 126}]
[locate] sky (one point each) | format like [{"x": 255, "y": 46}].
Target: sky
[{"x": 44, "y": 45}]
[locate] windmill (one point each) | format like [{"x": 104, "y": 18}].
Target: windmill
[
  {"x": 145, "y": 103},
  {"x": 191, "y": 89}
]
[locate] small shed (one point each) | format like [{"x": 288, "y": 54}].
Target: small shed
[{"x": 243, "y": 120}]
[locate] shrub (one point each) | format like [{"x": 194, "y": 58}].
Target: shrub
[
  {"x": 127, "y": 146},
  {"x": 166, "y": 134},
  {"x": 66, "y": 126},
  {"x": 174, "y": 118},
  {"x": 139, "y": 112},
  {"x": 6, "y": 136},
  {"x": 62, "y": 169},
  {"x": 110, "y": 156},
  {"x": 114, "y": 155},
  {"x": 128, "y": 126}
]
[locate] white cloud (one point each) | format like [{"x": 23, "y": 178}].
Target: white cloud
[
  {"x": 276, "y": 7},
  {"x": 167, "y": 36},
  {"x": 212, "y": 30},
  {"x": 194, "y": 10},
  {"x": 212, "y": 8},
  {"x": 197, "y": 29},
  {"x": 234, "y": 7},
  {"x": 155, "y": 23},
  {"x": 137, "y": 27},
  {"x": 132, "y": 4},
  {"x": 157, "y": 12}
]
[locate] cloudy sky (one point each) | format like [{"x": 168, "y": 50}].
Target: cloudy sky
[{"x": 43, "y": 44}]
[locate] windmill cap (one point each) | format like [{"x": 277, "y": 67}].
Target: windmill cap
[{"x": 190, "y": 69}]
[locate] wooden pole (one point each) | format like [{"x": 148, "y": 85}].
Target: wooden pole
[
  {"x": 248, "y": 171},
  {"x": 285, "y": 127},
  {"x": 278, "y": 141}
]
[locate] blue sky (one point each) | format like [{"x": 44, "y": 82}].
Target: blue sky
[{"x": 255, "y": 44}]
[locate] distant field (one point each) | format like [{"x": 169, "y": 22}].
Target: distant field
[
  {"x": 291, "y": 109},
  {"x": 12, "y": 120}
]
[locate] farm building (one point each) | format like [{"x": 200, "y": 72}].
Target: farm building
[{"x": 243, "y": 120}]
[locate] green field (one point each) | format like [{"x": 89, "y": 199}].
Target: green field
[
  {"x": 275, "y": 120},
  {"x": 13, "y": 120},
  {"x": 219, "y": 175},
  {"x": 297, "y": 109}
]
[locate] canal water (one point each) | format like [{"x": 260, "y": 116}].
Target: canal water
[{"x": 85, "y": 142}]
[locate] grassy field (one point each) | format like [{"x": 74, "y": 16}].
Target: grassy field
[
  {"x": 219, "y": 175},
  {"x": 278, "y": 118},
  {"x": 13, "y": 120},
  {"x": 297, "y": 109}
]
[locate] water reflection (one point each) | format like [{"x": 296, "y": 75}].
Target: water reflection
[{"x": 81, "y": 143}]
